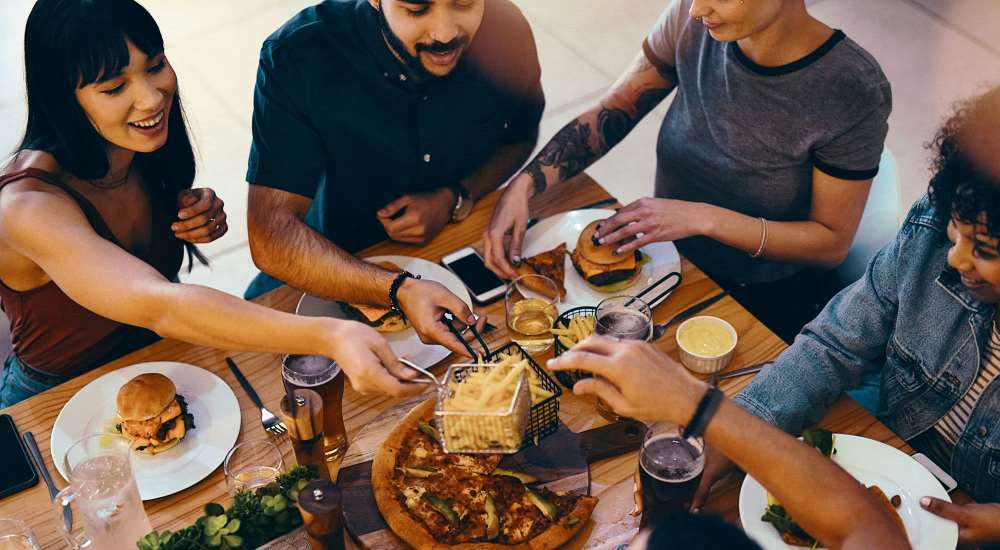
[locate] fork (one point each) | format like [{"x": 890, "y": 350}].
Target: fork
[{"x": 272, "y": 424}]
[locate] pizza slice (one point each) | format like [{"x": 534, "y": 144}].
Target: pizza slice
[{"x": 552, "y": 264}]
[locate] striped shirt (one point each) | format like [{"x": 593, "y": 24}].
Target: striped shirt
[{"x": 949, "y": 428}]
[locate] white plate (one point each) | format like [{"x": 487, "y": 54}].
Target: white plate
[
  {"x": 217, "y": 423},
  {"x": 404, "y": 343},
  {"x": 566, "y": 227},
  {"x": 872, "y": 463}
]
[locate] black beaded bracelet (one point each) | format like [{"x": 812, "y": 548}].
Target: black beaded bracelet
[
  {"x": 394, "y": 292},
  {"x": 704, "y": 412}
]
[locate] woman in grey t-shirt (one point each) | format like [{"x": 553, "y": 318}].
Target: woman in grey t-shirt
[{"x": 764, "y": 159}]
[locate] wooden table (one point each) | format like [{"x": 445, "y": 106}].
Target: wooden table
[{"x": 611, "y": 479}]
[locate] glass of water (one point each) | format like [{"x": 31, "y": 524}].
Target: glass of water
[
  {"x": 103, "y": 489},
  {"x": 16, "y": 535},
  {"x": 252, "y": 464}
]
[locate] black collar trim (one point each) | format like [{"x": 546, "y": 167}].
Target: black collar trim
[{"x": 816, "y": 54}]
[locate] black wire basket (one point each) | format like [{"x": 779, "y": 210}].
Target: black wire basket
[
  {"x": 569, "y": 377},
  {"x": 544, "y": 418}
]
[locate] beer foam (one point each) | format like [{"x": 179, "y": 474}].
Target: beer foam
[{"x": 660, "y": 459}]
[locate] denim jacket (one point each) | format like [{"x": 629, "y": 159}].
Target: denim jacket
[{"x": 910, "y": 318}]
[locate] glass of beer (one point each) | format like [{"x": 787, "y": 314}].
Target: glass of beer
[
  {"x": 252, "y": 464},
  {"x": 16, "y": 535},
  {"x": 622, "y": 318},
  {"x": 670, "y": 470},
  {"x": 325, "y": 377},
  {"x": 530, "y": 311}
]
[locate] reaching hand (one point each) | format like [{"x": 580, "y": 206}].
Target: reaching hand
[
  {"x": 201, "y": 218},
  {"x": 417, "y": 218},
  {"x": 504, "y": 237},
  {"x": 978, "y": 524},
  {"x": 425, "y": 302},
  {"x": 651, "y": 220},
  {"x": 368, "y": 361},
  {"x": 635, "y": 379}
]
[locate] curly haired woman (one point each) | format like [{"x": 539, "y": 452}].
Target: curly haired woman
[{"x": 924, "y": 316}]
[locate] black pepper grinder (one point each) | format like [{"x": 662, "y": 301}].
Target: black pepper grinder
[{"x": 322, "y": 514}]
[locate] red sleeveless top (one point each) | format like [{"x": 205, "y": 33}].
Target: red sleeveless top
[{"x": 53, "y": 334}]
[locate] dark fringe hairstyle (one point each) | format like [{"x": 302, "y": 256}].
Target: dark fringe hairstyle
[{"x": 69, "y": 44}]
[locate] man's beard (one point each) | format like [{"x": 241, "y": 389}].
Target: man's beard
[{"x": 413, "y": 63}]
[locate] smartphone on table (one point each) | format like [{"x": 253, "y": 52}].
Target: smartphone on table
[
  {"x": 16, "y": 470},
  {"x": 482, "y": 283}
]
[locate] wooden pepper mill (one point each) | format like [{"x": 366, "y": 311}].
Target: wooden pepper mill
[{"x": 322, "y": 514}]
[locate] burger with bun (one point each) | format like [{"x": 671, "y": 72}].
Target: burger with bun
[
  {"x": 151, "y": 415},
  {"x": 598, "y": 265}
]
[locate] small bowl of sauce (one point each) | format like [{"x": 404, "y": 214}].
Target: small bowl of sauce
[{"x": 706, "y": 344}]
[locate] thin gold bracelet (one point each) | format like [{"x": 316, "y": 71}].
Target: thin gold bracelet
[{"x": 763, "y": 239}]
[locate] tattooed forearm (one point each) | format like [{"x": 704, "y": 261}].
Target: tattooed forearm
[
  {"x": 568, "y": 152},
  {"x": 592, "y": 134},
  {"x": 614, "y": 125}
]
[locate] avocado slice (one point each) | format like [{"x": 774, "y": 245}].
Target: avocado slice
[
  {"x": 442, "y": 507},
  {"x": 492, "y": 519},
  {"x": 548, "y": 509},
  {"x": 422, "y": 473},
  {"x": 520, "y": 476}
]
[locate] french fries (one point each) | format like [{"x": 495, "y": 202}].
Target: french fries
[
  {"x": 578, "y": 330},
  {"x": 475, "y": 417},
  {"x": 538, "y": 391}
]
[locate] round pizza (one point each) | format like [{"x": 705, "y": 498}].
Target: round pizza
[{"x": 436, "y": 500}]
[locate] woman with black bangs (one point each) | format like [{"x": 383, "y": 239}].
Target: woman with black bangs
[{"x": 91, "y": 237}]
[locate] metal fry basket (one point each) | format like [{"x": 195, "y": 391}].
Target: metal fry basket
[
  {"x": 483, "y": 432},
  {"x": 544, "y": 418},
  {"x": 568, "y": 378}
]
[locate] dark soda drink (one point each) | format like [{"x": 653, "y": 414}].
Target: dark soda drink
[{"x": 670, "y": 469}]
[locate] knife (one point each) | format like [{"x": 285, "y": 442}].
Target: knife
[
  {"x": 659, "y": 329},
  {"x": 598, "y": 204},
  {"x": 752, "y": 369},
  {"x": 29, "y": 439}
]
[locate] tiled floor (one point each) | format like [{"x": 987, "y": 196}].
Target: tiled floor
[{"x": 933, "y": 51}]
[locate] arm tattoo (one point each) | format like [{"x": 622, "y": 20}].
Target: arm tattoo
[
  {"x": 568, "y": 151},
  {"x": 571, "y": 151}
]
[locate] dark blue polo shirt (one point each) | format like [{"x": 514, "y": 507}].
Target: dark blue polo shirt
[{"x": 336, "y": 118}]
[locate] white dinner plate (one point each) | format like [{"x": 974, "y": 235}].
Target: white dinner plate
[
  {"x": 404, "y": 343},
  {"x": 871, "y": 463},
  {"x": 566, "y": 227},
  {"x": 217, "y": 423}
]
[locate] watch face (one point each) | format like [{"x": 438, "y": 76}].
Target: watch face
[{"x": 463, "y": 209}]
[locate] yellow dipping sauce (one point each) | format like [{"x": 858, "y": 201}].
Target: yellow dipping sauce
[{"x": 706, "y": 337}]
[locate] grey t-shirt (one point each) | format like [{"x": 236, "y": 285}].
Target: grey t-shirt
[{"x": 747, "y": 137}]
